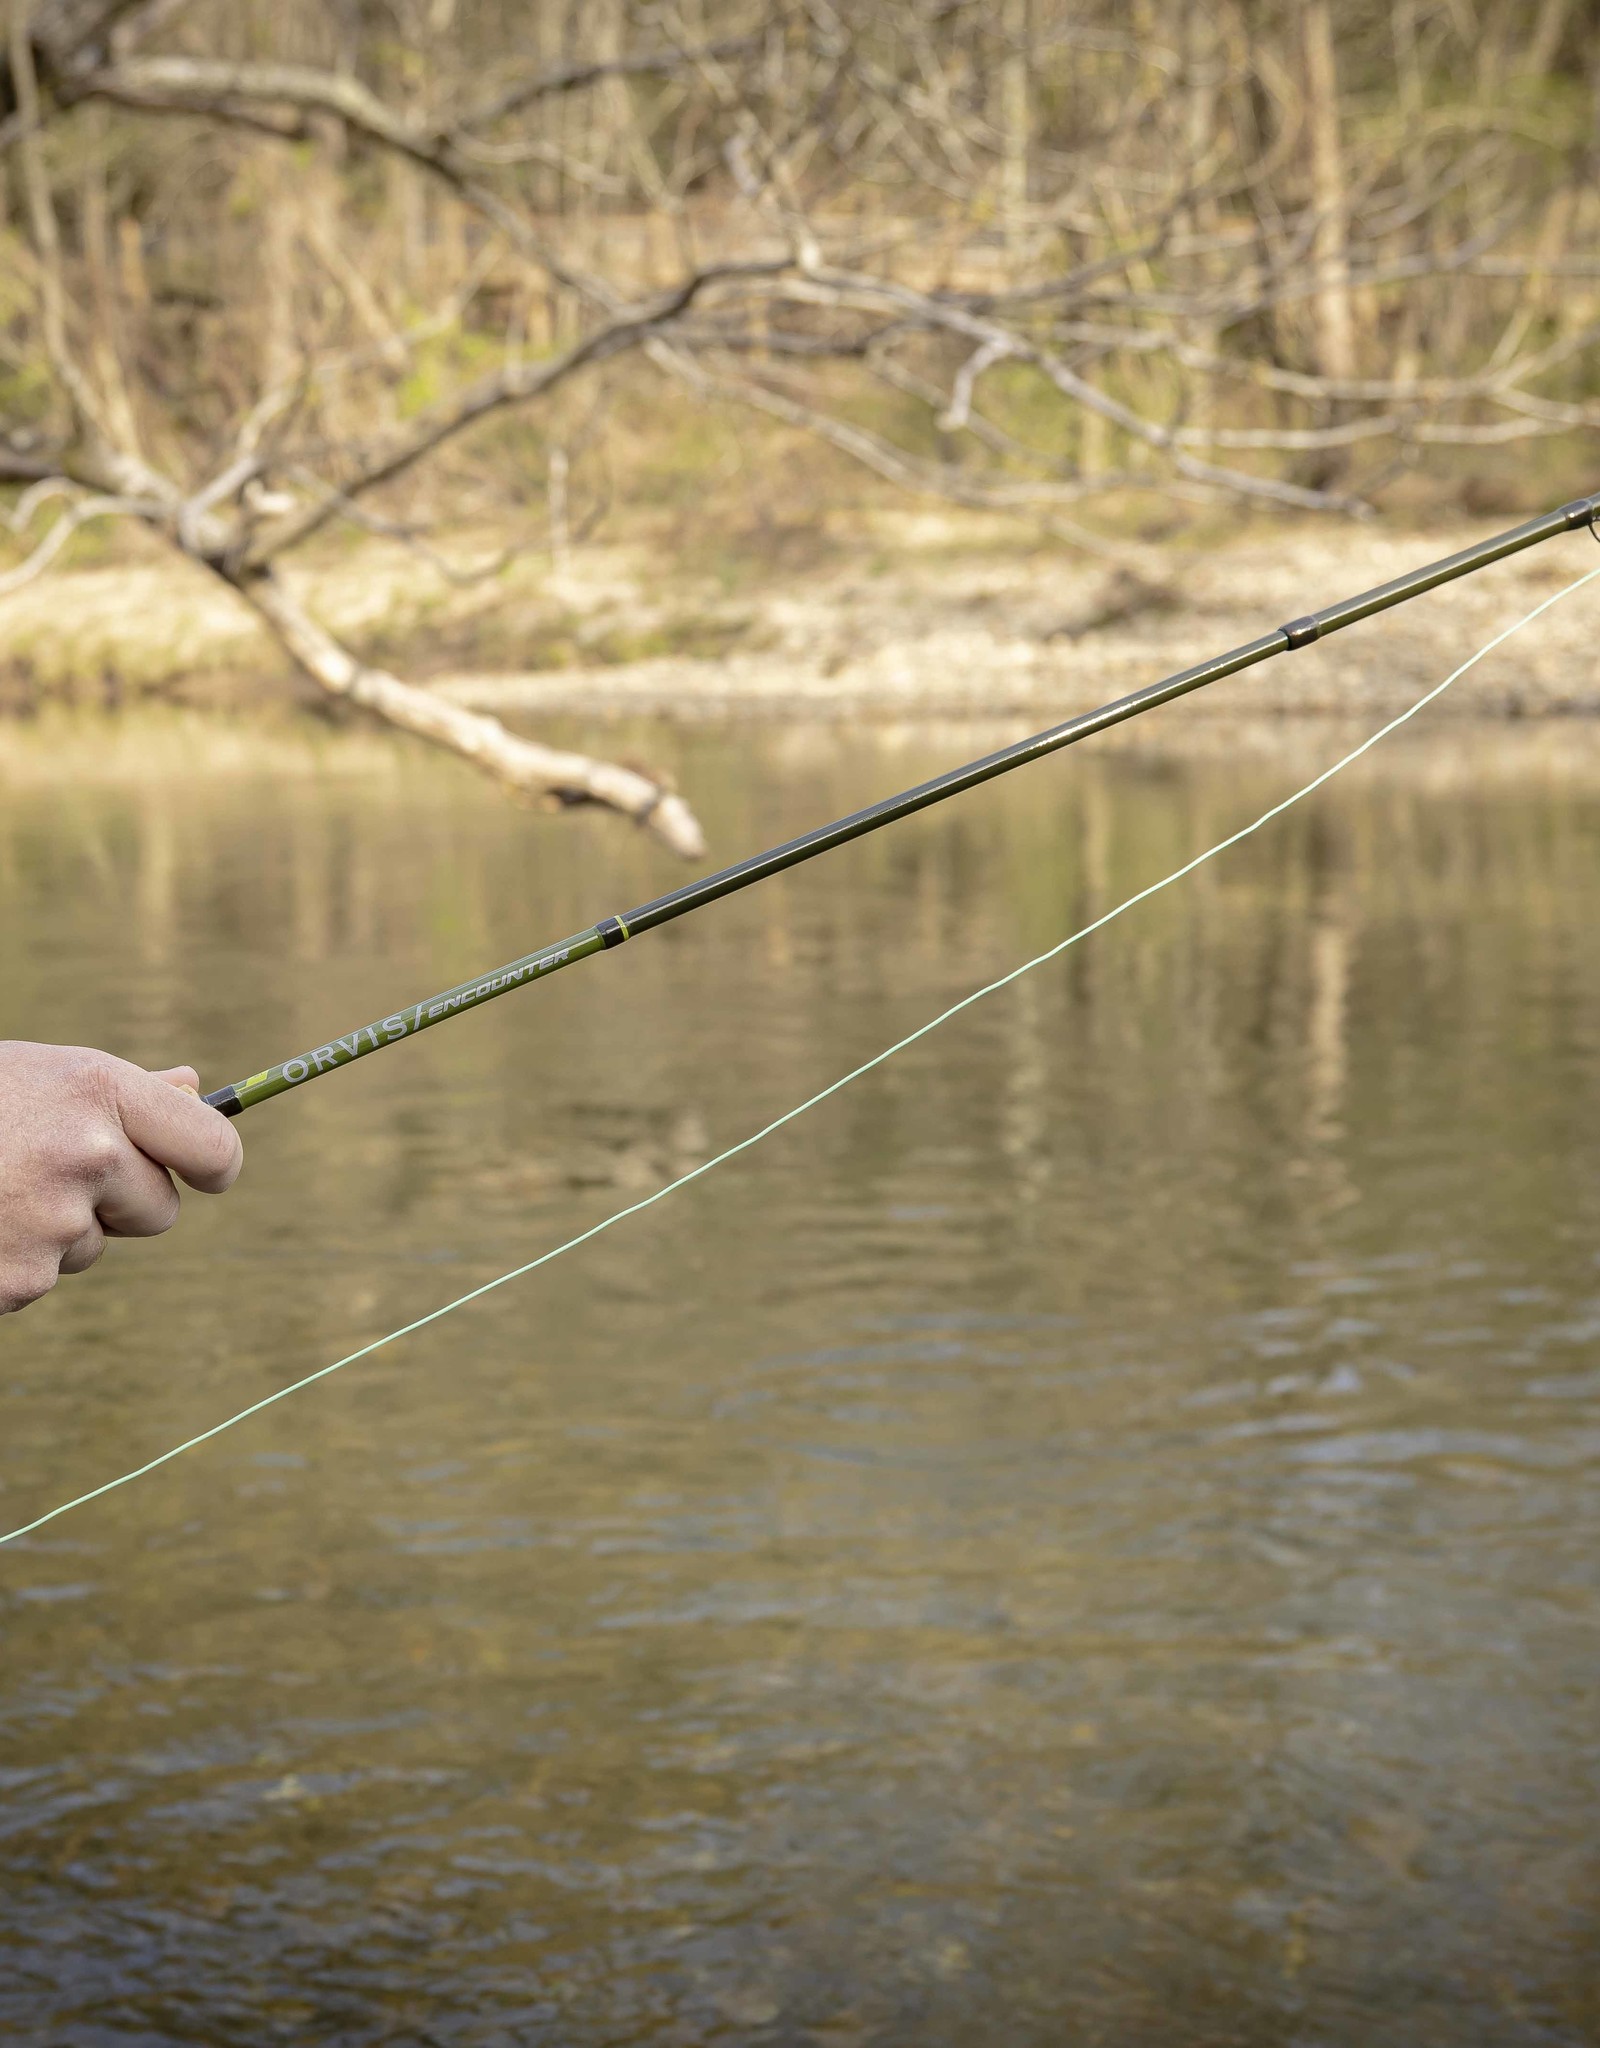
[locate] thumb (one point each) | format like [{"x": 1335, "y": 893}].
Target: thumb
[{"x": 179, "y": 1077}]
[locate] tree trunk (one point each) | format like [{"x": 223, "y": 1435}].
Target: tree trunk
[
  {"x": 1204, "y": 63},
  {"x": 1548, "y": 30},
  {"x": 1015, "y": 118},
  {"x": 1333, "y": 312}
]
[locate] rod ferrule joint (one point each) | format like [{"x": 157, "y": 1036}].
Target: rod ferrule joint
[
  {"x": 1301, "y": 632},
  {"x": 612, "y": 931}
]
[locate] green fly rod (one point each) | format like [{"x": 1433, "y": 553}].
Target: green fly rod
[{"x": 612, "y": 931}]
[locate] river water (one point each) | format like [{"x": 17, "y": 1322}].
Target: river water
[{"x": 1091, "y": 1536}]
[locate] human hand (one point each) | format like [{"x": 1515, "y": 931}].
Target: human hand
[{"x": 86, "y": 1142}]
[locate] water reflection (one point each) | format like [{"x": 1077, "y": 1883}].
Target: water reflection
[{"x": 1093, "y": 1531}]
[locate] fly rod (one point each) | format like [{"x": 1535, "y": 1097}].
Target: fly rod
[{"x": 612, "y": 931}]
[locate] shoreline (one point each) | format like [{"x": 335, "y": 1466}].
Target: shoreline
[{"x": 917, "y": 617}]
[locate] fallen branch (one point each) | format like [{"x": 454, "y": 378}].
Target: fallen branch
[
  {"x": 523, "y": 765},
  {"x": 193, "y": 528}
]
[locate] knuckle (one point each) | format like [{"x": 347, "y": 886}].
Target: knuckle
[
  {"x": 25, "y": 1284},
  {"x": 96, "y": 1150},
  {"x": 62, "y": 1227}
]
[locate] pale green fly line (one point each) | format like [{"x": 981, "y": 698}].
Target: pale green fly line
[{"x": 811, "y": 1102}]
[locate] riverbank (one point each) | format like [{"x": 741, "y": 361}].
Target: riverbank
[{"x": 886, "y": 616}]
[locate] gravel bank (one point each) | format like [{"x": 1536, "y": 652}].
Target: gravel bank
[{"x": 981, "y": 637}]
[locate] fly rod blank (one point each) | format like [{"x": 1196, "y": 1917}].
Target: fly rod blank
[{"x": 614, "y": 930}]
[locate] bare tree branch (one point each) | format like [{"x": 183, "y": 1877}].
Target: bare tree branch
[
  {"x": 513, "y": 384},
  {"x": 75, "y": 517},
  {"x": 209, "y": 85},
  {"x": 521, "y": 764},
  {"x": 567, "y": 78}
]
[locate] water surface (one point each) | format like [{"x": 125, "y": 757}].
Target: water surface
[{"x": 1090, "y": 1536}]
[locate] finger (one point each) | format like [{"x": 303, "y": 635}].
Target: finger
[
  {"x": 178, "y": 1130},
  {"x": 81, "y": 1255},
  {"x": 179, "y": 1077},
  {"x": 137, "y": 1198}
]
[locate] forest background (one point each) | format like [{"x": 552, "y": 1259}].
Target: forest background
[{"x": 476, "y": 361}]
